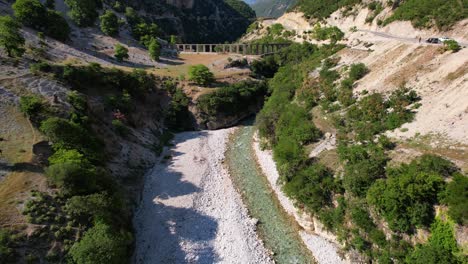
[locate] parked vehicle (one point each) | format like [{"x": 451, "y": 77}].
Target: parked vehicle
[
  {"x": 433, "y": 40},
  {"x": 443, "y": 39}
]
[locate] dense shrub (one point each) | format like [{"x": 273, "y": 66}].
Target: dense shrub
[
  {"x": 364, "y": 164},
  {"x": 357, "y": 71},
  {"x": 406, "y": 198},
  {"x": 178, "y": 116},
  {"x": 72, "y": 178},
  {"x": 452, "y": 45},
  {"x": 334, "y": 34},
  {"x": 154, "y": 49},
  {"x": 69, "y": 156},
  {"x": 323, "y": 9},
  {"x": 423, "y": 14},
  {"x": 266, "y": 67},
  {"x": 98, "y": 207},
  {"x": 120, "y": 52},
  {"x": 93, "y": 76},
  {"x": 312, "y": 187},
  {"x": 10, "y": 37},
  {"x": 296, "y": 123},
  {"x": 456, "y": 197},
  {"x": 109, "y": 23},
  {"x": 101, "y": 244},
  {"x": 233, "y": 99},
  {"x": 31, "y": 105},
  {"x": 32, "y": 13},
  {"x": 57, "y": 27},
  {"x": 83, "y": 12},
  {"x": 145, "y": 32},
  {"x": 372, "y": 115},
  {"x": 440, "y": 248},
  {"x": 200, "y": 74},
  {"x": 67, "y": 135}
]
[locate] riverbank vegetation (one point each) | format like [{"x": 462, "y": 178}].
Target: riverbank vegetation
[
  {"x": 84, "y": 214},
  {"x": 364, "y": 193}
]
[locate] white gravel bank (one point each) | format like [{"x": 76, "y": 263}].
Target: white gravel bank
[
  {"x": 190, "y": 211},
  {"x": 324, "y": 251}
]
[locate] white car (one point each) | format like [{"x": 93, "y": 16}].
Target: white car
[{"x": 443, "y": 39}]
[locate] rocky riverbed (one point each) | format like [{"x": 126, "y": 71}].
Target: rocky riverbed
[{"x": 190, "y": 211}]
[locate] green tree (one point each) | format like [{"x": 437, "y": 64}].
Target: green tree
[
  {"x": 312, "y": 187},
  {"x": 173, "y": 40},
  {"x": 57, "y": 27},
  {"x": 441, "y": 248},
  {"x": 120, "y": 52},
  {"x": 101, "y": 244},
  {"x": 452, "y": 45},
  {"x": 132, "y": 16},
  {"x": 200, "y": 74},
  {"x": 68, "y": 156},
  {"x": 72, "y": 178},
  {"x": 68, "y": 135},
  {"x": 97, "y": 207},
  {"x": 456, "y": 196},
  {"x": 31, "y": 105},
  {"x": 10, "y": 37},
  {"x": 109, "y": 23},
  {"x": 154, "y": 49},
  {"x": 406, "y": 198},
  {"x": 83, "y": 12},
  {"x": 30, "y": 13}
]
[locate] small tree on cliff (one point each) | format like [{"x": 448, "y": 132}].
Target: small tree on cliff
[
  {"x": 109, "y": 23},
  {"x": 201, "y": 75},
  {"x": 121, "y": 52},
  {"x": 154, "y": 49}
]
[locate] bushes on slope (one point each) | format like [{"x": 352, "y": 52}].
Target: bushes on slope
[
  {"x": 10, "y": 37},
  {"x": 323, "y": 9},
  {"x": 101, "y": 244},
  {"x": 423, "y": 14},
  {"x": 406, "y": 198},
  {"x": 200, "y": 74},
  {"x": 33, "y": 13},
  {"x": 234, "y": 98}
]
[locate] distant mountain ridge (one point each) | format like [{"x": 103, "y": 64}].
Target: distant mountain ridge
[{"x": 270, "y": 8}]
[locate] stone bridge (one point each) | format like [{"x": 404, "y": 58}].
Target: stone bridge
[{"x": 240, "y": 48}]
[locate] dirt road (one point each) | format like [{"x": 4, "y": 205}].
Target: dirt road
[{"x": 403, "y": 39}]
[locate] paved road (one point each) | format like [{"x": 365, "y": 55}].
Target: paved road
[{"x": 402, "y": 39}]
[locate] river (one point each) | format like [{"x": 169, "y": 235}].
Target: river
[{"x": 277, "y": 229}]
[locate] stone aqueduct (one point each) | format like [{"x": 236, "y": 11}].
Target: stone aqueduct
[{"x": 245, "y": 49}]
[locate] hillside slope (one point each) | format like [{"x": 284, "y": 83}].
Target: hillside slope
[
  {"x": 395, "y": 57},
  {"x": 271, "y": 8}
]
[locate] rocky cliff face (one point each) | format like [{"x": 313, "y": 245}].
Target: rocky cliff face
[
  {"x": 181, "y": 3},
  {"x": 199, "y": 21},
  {"x": 272, "y": 8}
]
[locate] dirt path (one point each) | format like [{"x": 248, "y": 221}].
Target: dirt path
[{"x": 190, "y": 212}]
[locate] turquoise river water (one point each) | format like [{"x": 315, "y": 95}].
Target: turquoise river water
[{"x": 278, "y": 231}]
